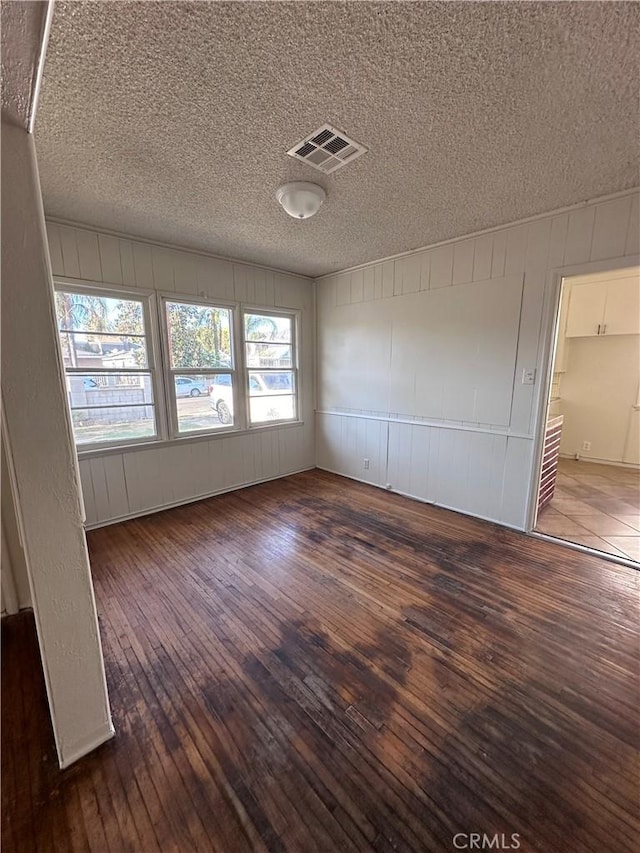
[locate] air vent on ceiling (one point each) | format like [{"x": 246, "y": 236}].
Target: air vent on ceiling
[{"x": 327, "y": 149}]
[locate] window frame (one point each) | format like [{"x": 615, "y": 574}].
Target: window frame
[
  {"x": 154, "y": 366},
  {"x": 268, "y": 311},
  {"x": 169, "y": 373},
  {"x": 156, "y": 335}
]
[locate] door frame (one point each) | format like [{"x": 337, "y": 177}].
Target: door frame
[{"x": 546, "y": 358}]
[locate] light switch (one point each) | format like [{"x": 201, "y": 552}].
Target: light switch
[{"x": 528, "y": 375}]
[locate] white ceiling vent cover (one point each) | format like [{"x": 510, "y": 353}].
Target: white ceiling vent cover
[{"x": 327, "y": 149}]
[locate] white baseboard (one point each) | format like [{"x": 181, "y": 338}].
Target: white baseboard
[
  {"x": 183, "y": 502},
  {"x": 631, "y": 465},
  {"x": 85, "y": 745},
  {"x": 424, "y": 500}
]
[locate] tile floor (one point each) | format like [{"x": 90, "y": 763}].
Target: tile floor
[{"x": 595, "y": 505}]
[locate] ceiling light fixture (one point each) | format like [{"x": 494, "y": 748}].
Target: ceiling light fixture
[{"x": 301, "y": 199}]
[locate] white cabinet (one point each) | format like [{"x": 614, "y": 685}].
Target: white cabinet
[
  {"x": 586, "y": 309},
  {"x": 622, "y": 309},
  {"x": 604, "y": 308}
]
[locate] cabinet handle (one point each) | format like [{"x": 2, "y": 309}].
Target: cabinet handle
[{"x": 598, "y": 328}]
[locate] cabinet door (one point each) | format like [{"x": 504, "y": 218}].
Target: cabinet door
[
  {"x": 622, "y": 309},
  {"x": 586, "y": 309}
]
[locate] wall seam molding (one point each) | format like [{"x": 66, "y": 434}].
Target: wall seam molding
[
  {"x": 494, "y": 228},
  {"x": 94, "y": 229},
  {"x": 432, "y": 424}
]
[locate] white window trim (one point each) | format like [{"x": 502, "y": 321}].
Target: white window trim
[
  {"x": 170, "y": 372},
  {"x": 294, "y": 316},
  {"x": 153, "y": 306},
  {"x": 147, "y": 299}
]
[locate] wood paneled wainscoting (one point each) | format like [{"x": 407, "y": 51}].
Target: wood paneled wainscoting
[{"x": 312, "y": 664}]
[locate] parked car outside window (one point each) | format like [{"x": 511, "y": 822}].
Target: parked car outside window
[
  {"x": 188, "y": 387},
  {"x": 271, "y": 397}
]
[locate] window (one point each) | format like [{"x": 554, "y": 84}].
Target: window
[
  {"x": 109, "y": 342},
  {"x": 270, "y": 359},
  {"x": 201, "y": 366},
  {"x": 109, "y": 367}
]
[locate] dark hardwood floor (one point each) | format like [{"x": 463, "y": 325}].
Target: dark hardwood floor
[{"x": 315, "y": 665}]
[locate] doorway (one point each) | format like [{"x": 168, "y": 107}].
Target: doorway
[{"x": 589, "y": 480}]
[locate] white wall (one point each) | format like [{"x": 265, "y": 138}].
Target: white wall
[
  {"x": 14, "y": 566},
  {"x": 387, "y": 406},
  {"x": 598, "y": 392},
  {"x": 119, "y": 484},
  {"x": 42, "y": 455}
]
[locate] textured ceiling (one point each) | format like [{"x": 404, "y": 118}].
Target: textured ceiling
[
  {"x": 171, "y": 120},
  {"x": 22, "y": 29}
]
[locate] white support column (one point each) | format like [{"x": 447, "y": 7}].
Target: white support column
[{"x": 44, "y": 464}]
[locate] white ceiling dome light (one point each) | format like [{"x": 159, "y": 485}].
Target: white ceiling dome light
[{"x": 301, "y": 199}]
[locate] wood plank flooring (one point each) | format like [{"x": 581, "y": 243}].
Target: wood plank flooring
[{"x": 316, "y": 665}]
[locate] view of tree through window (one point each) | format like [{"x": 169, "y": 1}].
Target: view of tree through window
[
  {"x": 110, "y": 366},
  {"x": 200, "y": 343},
  {"x": 268, "y": 341},
  {"x": 105, "y": 353},
  {"x": 199, "y": 335}
]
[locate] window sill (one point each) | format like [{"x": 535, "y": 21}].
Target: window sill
[{"x": 184, "y": 439}]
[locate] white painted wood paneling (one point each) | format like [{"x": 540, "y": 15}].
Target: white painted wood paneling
[
  {"x": 482, "y": 256},
  {"x": 120, "y": 484},
  {"x": 143, "y": 265},
  {"x": 69, "y": 247},
  {"x": 357, "y": 286},
  {"x": 110, "y": 261},
  {"x": 89, "y": 256},
  {"x": 471, "y": 382},
  {"x": 127, "y": 263},
  {"x": 499, "y": 253},
  {"x": 610, "y": 229},
  {"x": 441, "y": 267},
  {"x": 185, "y": 273},
  {"x": 463, "y": 262},
  {"x": 55, "y": 249},
  {"x": 346, "y": 443},
  {"x": 400, "y": 359},
  {"x": 387, "y": 279},
  {"x": 632, "y": 246},
  {"x": 579, "y": 235},
  {"x": 516, "y": 250},
  {"x": 368, "y": 284}
]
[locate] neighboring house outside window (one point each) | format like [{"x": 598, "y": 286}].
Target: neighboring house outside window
[
  {"x": 220, "y": 368},
  {"x": 109, "y": 366}
]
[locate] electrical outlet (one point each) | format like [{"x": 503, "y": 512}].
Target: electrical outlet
[
  {"x": 528, "y": 376},
  {"x": 586, "y": 445},
  {"x": 365, "y": 462}
]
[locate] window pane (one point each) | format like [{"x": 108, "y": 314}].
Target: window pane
[
  {"x": 211, "y": 408},
  {"x": 262, "y": 384},
  {"x": 122, "y": 423},
  {"x": 268, "y": 355},
  {"x": 95, "y": 350},
  {"x": 199, "y": 335},
  {"x": 263, "y": 409},
  {"x": 262, "y": 327},
  {"x": 82, "y": 312},
  {"x": 108, "y": 389}
]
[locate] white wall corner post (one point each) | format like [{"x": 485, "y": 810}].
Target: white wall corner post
[{"x": 39, "y": 432}]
